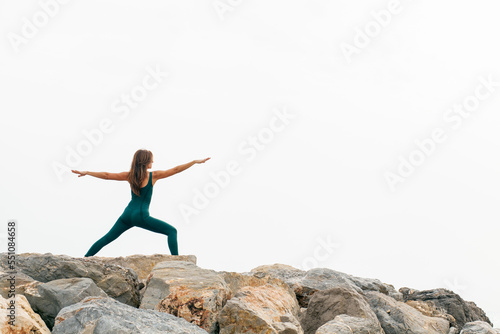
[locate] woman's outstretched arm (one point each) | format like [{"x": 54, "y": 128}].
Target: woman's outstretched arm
[
  {"x": 104, "y": 175},
  {"x": 160, "y": 174}
]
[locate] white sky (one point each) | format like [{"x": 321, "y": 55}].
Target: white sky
[{"x": 319, "y": 180}]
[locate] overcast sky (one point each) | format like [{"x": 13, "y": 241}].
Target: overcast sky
[{"x": 360, "y": 136}]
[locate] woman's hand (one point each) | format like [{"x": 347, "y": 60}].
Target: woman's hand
[
  {"x": 200, "y": 161},
  {"x": 80, "y": 173}
]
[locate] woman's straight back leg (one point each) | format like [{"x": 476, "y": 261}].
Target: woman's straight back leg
[{"x": 118, "y": 228}]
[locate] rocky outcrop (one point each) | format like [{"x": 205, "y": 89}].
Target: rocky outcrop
[
  {"x": 174, "y": 295},
  {"x": 462, "y": 311},
  {"x": 118, "y": 282},
  {"x": 106, "y": 315},
  {"x": 25, "y": 319}
]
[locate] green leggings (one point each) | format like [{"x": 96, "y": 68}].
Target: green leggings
[{"x": 148, "y": 223}]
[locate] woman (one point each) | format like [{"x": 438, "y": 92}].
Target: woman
[{"x": 137, "y": 211}]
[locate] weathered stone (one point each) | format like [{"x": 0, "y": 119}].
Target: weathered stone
[
  {"x": 47, "y": 299},
  {"x": 397, "y": 317},
  {"x": 374, "y": 284},
  {"x": 346, "y": 324},
  {"x": 462, "y": 311},
  {"x": 305, "y": 284},
  {"x": 104, "y": 315},
  {"x": 281, "y": 271},
  {"x": 26, "y": 321},
  {"x": 188, "y": 291},
  {"x": 118, "y": 282},
  {"x": 143, "y": 264},
  {"x": 326, "y": 305},
  {"x": 19, "y": 281},
  {"x": 429, "y": 309},
  {"x": 236, "y": 281},
  {"x": 260, "y": 309}
]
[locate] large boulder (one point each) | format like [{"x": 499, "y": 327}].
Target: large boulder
[
  {"x": 185, "y": 290},
  {"x": 260, "y": 309},
  {"x": 104, "y": 315},
  {"x": 26, "y": 321},
  {"x": 461, "y": 310},
  {"x": 306, "y": 283},
  {"x": 47, "y": 299},
  {"x": 326, "y": 305},
  {"x": 397, "y": 317},
  {"x": 118, "y": 282}
]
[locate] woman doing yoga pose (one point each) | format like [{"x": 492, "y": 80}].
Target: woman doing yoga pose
[{"x": 137, "y": 211}]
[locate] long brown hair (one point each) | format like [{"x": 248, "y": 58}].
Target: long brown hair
[{"x": 138, "y": 169}]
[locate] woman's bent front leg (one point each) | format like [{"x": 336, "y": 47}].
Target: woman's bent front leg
[{"x": 159, "y": 226}]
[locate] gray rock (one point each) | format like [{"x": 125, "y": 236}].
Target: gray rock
[
  {"x": 20, "y": 280},
  {"x": 47, "y": 299},
  {"x": 397, "y": 317},
  {"x": 461, "y": 310},
  {"x": 346, "y": 324},
  {"x": 374, "y": 284},
  {"x": 326, "y": 305},
  {"x": 477, "y": 327},
  {"x": 104, "y": 315},
  {"x": 305, "y": 284},
  {"x": 118, "y": 282}
]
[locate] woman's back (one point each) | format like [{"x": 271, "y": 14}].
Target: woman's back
[{"x": 139, "y": 205}]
